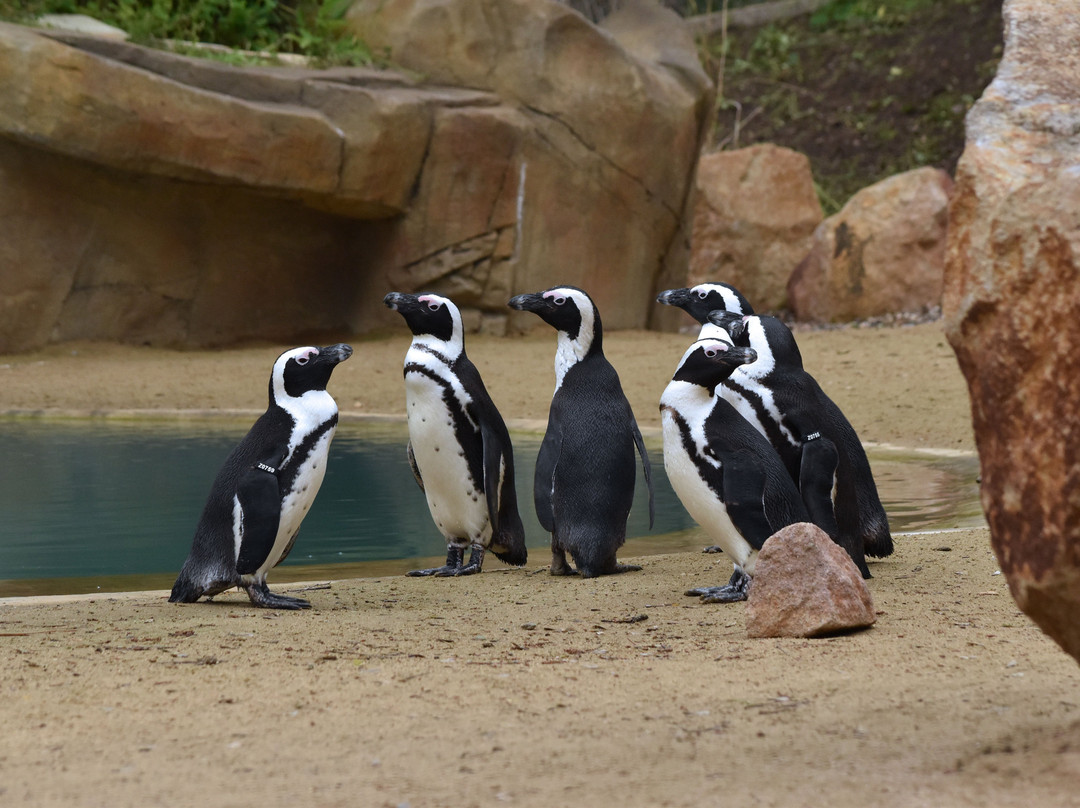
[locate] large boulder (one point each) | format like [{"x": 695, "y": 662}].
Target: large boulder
[
  {"x": 754, "y": 214},
  {"x": 150, "y": 197},
  {"x": 1012, "y": 311},
  {"x": 618, "y": 113},
  {"x": 884, "y": 252}
]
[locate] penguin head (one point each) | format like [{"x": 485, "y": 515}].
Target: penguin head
[
  {"x": 429, "y": 316},
  {"x": 734, "y": 325},
  {"x": 774, "y": 343},
  {"x": 303, "y": 370},
  {"x": 699, "y": 300},
  {"x": 569, "y": 310},
  {"x": 709, "y": 361}
]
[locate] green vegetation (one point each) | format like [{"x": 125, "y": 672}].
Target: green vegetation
[
  {"x": 864, "y": 88},
  {"x": 307, "y": 27}
]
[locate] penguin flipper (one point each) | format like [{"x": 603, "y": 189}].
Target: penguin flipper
[
  {"x": 547, "y": 459},
  {"x": 818, "y": 461},
  {"x": 646, "y": 467},
  {"x": 259, "y": 495},
  {"x": 744, "y": 492},
  {"x": 817, "y": 472},
  {"x": 507, "y": 531},
  {"x": 415, "y": 468}
]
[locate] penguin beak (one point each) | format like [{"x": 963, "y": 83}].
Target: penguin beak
[
  {"x": 730, "y": 322},
  {"x": 399, "y": 301},
  {"x": 674, "y": 297},
  {"x": 744, "y": 356},
  {"x": 334, "y": 354},
  {"x": 534, "y": 303}
]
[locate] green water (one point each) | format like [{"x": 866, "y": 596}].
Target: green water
[{"x": 101, "y": 505}]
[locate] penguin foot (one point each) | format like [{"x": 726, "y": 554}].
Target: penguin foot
[
  {"x": 455, "y": 557},
  {"x": 476, "y": 563},
  {"x": 262, "y": 597},
  {"x": 559, "y": 564},
  {"x": 713, "y": 548},
  {"x": 723, "y": 594},
  {"x": 734, "y": 590}
]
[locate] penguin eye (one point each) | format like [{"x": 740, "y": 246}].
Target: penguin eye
[
  {"x": 433, "y": 306},
  {"x": 711, "y": 352},
  {"x": 302, "y": 360},
  {"x": 560, "y": 300},
  {"x": 702, "y": 294}
]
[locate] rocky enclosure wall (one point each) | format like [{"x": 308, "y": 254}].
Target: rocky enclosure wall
[{"x": 149, "y": 197}]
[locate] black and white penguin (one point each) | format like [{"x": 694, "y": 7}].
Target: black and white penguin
[
  {"x": 818, "y": 444},
  {"x": 266, "y": 485},
  {"x": 698, "y": 301},
  {"x": 725, "y": 473},
  {"x": 459, "y": 447},
  {"x": 584, "y": 484}
]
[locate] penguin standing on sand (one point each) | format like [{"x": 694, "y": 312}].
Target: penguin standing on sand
[
  {"x": 818, "y": 444},
  {"x": 782, "y": 400},
  {"x": 728, "y": 477},
  {"x": 459, "y": 447},
  {"x": 266, "y": 486},
  {"x": 584, "y": 484}
]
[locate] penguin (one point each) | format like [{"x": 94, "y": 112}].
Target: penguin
[
  {"x": 266, "y": 485},
  {"x": 851, "y": 514},
  {"x": 584, "y": 483},
  {"x": 818, "y": 444},
  {"x": 726, "y": 474},
  {"x": 459, "y": 447}
]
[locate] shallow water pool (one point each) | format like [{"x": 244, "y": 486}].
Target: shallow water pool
[{"x": 104, "y": 505}]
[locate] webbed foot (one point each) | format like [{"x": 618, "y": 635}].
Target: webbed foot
[
  {"x": 476, "y": 563},
  {"x": 262, "y": 597},
  {"x": 736, "y": 589},
  {"x": 559, "y": 564},
  {"x": 455, "y": 556}
]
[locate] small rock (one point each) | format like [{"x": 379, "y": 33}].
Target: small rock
[
  {"x": 81, "y": 24},
  {"x": 805, "y": 585}
]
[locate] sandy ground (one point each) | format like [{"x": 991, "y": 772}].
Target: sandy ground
[{"x": 513, "y": 687}]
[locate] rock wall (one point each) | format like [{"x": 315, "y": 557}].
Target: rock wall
[
  {"x": 1012, "y": 307},
  {"x": 155, "y": 198}
]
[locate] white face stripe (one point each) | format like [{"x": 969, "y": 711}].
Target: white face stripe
[
  {"x": 720, "y": 342},
  {"x": 766, "y": 362},
  {"x": 309, "y": 410},
  {"x": 569, "y": 352},
  {"x": 731, "y": 303},
  {"x": 711, "y": 331},
  {"x": 453, "y": 347},
  {"x": 749, "y": 376}
]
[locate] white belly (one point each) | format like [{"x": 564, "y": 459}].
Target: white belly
[
  {"x": 699, "y": 500},
  {"x": 457, "y": 507},
  {"x": 298, "y": 501}
]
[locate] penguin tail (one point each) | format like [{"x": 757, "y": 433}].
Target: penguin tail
[
  {"x": 185, "y": 590},
  {"x": 508, "y": 544},
  {"x": 514, "y": 556},
  {"x": 878, "y": 543}
]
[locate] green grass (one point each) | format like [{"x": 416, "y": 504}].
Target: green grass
[{"x": 307, "y": 27}]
